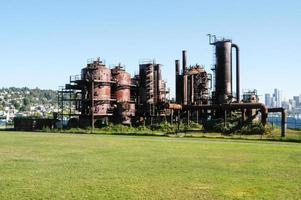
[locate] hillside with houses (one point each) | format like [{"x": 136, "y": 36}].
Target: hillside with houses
[{"x": 22, "y": 102}]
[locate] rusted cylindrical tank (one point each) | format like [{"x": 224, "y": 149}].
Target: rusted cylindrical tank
[
  {"x": 101, "y": 74},
  {"x": 102, "y": 92},
  {"x": 101, "y": 109},
  {"x": 122, "y": 91},
  {"x": 123, "y": 78},
  {"x": 98, "y": 86},
  {"x": 123, "y": 95},
  {"x": 123, "y": 83},
  {"x": 223, "y": 71}
]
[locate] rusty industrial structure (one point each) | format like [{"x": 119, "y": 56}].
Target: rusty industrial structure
[{"x": 101, "y": 95}]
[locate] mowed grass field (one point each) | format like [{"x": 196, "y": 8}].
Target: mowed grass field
[{"x": 79, "y": 166}]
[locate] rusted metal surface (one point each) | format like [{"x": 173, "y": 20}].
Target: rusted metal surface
[
  {"x": 122, "y": 91},
  {"x": 102, "y": 92},
  {"x": 96, "y": 90},
  {"x": 152, "y": 89},
  {"x": 233, "y": 106},
  {"x": 101, "y": 74},
  {"x": 123, "y": 83},
  {"x": 101, "y": 109},
  {"x": 123, "y": 78},
  {"x": 173, "y": 106},
  {"x": 105, "y": 91},
  {"x": 123, "y": 95}
]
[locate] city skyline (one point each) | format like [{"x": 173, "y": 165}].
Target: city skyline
[{"x": 45, "y": 42}]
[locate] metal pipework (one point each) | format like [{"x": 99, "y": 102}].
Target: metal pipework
[
  {"x": 223, "y": 84},
  {"x": 210, "y": 38},
  {"x": 184, "y": 60},
  {"x": 177, "y": 63},
  {"x": 173, "y": 106},
  {"x": 237, "y": 72},
  {"x": 233, "y": 106},
  {"x": 185, "y": 92},
  {"x": 191, "y": 90},
  {"x": 178, "y": 79},
  {"x": 157, "y": 81},
  {"x": 223, "y": 70},
  {"x": 185, "y": 78},
  {"x": 283, "y": 118}
]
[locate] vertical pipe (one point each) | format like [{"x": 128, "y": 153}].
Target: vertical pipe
[
  {"x": 283, "y": 122},
  {"x": 191, "y": 95},
  {"x": 237, "y": 72},
  {"x": 177, "y": 66},
  {"x": 158, "y": 82},
  {"x": 177, "y": 63},
  {"x": 92, "y": 106},
  {"x": 185, "y": 94},
  {"x": 184, "y": 60}
]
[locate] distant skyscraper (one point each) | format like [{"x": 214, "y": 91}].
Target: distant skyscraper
[
  {"x": 273, "y": 102},
  {"x": 297, "y": 99},
  {"x": 278, "y": 97},
  {"x": 268, "y": 100},
  {"x": 292, "y": 102}
]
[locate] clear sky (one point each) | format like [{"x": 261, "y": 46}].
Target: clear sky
[{"x": 43, "y": 42}]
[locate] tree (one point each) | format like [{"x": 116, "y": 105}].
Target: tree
[
  {"x": 15, "y": 104},
  {"x": 26, "y": 101}
]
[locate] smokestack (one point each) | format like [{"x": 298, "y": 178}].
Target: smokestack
[
  {"x": 178, "y": 79},
  {"x": 184, "y": 60},
  {"x": 177, "y": 62}
]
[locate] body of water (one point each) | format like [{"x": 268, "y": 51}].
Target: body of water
[{"x": 291, "y": 122}]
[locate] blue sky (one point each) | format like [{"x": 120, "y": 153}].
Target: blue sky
[{"x": 43, "y": 42}]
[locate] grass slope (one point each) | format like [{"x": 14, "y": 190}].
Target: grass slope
[{"x": 66, "y": 166}]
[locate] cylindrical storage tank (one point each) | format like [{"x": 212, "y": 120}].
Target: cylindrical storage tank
[
  {"x": 101, "y": 109},
  {"x": 123, "y": 78},
  {"x": 101, "y": 74},
  {"x": 123, "y": 95},
  {"x": 123, "y": 83},
  {"x": 84, "y": 73},
  {"x": 102, "y": 89},
  {"x": 223, "y": 84},
  {"x": 102, "y": 92}
]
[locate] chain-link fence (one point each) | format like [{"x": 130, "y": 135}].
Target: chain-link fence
[{"x": 293, "y": 123}]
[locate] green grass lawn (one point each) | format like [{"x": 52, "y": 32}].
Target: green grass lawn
[{"x": 67, "y": 166}]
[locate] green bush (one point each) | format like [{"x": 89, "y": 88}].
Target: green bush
[
  {"x": 164, "y": 127},
  {"x": 256, "y": 128}
]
